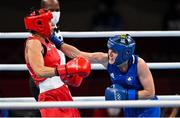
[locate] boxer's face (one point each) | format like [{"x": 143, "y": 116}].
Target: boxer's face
[
  {"x": 112, "y": 56},
  {"x": 52, "y": 5}
]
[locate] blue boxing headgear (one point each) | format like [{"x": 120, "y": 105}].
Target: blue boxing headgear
[{"x": 124, "y": 45}]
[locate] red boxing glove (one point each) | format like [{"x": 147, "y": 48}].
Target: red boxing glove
[
  {"x": 74, "y": 80},
  {"x": 80, "y": 66},
  {"x": 77, "y": 66}
]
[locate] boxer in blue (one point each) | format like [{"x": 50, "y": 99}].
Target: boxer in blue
[{"x": 130, "y": 75}]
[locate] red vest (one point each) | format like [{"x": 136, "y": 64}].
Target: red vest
[{"x": 51, "y": 58}]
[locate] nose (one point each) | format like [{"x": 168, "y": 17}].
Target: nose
[
  {"x": 53, "y": 26},
  {"x": 111, "y": 54}
]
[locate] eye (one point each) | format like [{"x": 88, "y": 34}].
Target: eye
[
  {"x": 57, "y": 10},
  {"x": 52, "y": 10},
  {"x": 113, "y": 51}
]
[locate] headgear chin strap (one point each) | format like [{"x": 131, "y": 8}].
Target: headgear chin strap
[
  {"x": 124, "y": 45},
  {"x": 39, "y": 22}
]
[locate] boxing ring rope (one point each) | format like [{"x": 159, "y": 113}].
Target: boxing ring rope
[
  {"x": 19, "y": 35},
  {"x": 90, "y": 104},
  {"x": 93, "y": 101},
  {"x": 83, "y": 98},
  {"x": 22, "y": 67}
]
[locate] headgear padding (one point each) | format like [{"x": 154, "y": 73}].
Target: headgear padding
[
  {"x": 39, "y": 22},
  {"x": 124, "y": 45}
]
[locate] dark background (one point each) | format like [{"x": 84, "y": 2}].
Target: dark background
[
  {"x": 78, "y": 14},
  {"x": 84, "y": 15}
]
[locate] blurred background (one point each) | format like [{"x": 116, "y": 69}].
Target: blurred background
[{"x": 96, "y": 15}]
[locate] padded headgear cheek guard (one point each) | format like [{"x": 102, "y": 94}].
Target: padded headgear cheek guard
[
  {"x": 40, "y": 22},
  {"x": 124, "y": 45}
]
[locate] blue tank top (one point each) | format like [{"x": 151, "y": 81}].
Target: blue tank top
[{"x": 129, "y": 79}]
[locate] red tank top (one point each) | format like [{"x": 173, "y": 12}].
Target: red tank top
[{"x": 51, "y": 58}]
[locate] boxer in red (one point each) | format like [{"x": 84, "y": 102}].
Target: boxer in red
[{"x": 43, "y": 62}]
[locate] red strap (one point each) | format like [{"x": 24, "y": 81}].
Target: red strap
[{"x": 37, "y": 38}]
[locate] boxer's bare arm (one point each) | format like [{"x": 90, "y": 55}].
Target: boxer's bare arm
[
  {"x": 95, "y": 57},
  {"x": 33, "y": 56},
  {"x": 146, "y": 79}
]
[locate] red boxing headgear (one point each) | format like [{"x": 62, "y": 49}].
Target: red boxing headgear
[{"x": 39, "y": 22}]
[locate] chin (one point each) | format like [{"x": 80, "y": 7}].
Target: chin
[{"x": 111, "y": 62}]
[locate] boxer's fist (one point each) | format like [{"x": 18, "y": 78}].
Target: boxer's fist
[
  {"x": 117, "y": 92},
  {"x": 78, "y": 66}
]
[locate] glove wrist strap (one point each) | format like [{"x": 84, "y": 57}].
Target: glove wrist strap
[{"x": 132, "y": 94}]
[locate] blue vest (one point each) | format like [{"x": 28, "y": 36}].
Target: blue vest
[{"x": 128, "y": 80}]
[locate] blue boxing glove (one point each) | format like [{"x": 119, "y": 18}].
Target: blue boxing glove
[
  {"x": 117, "y": 92},
  {"x": 58, "y": 41}
]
